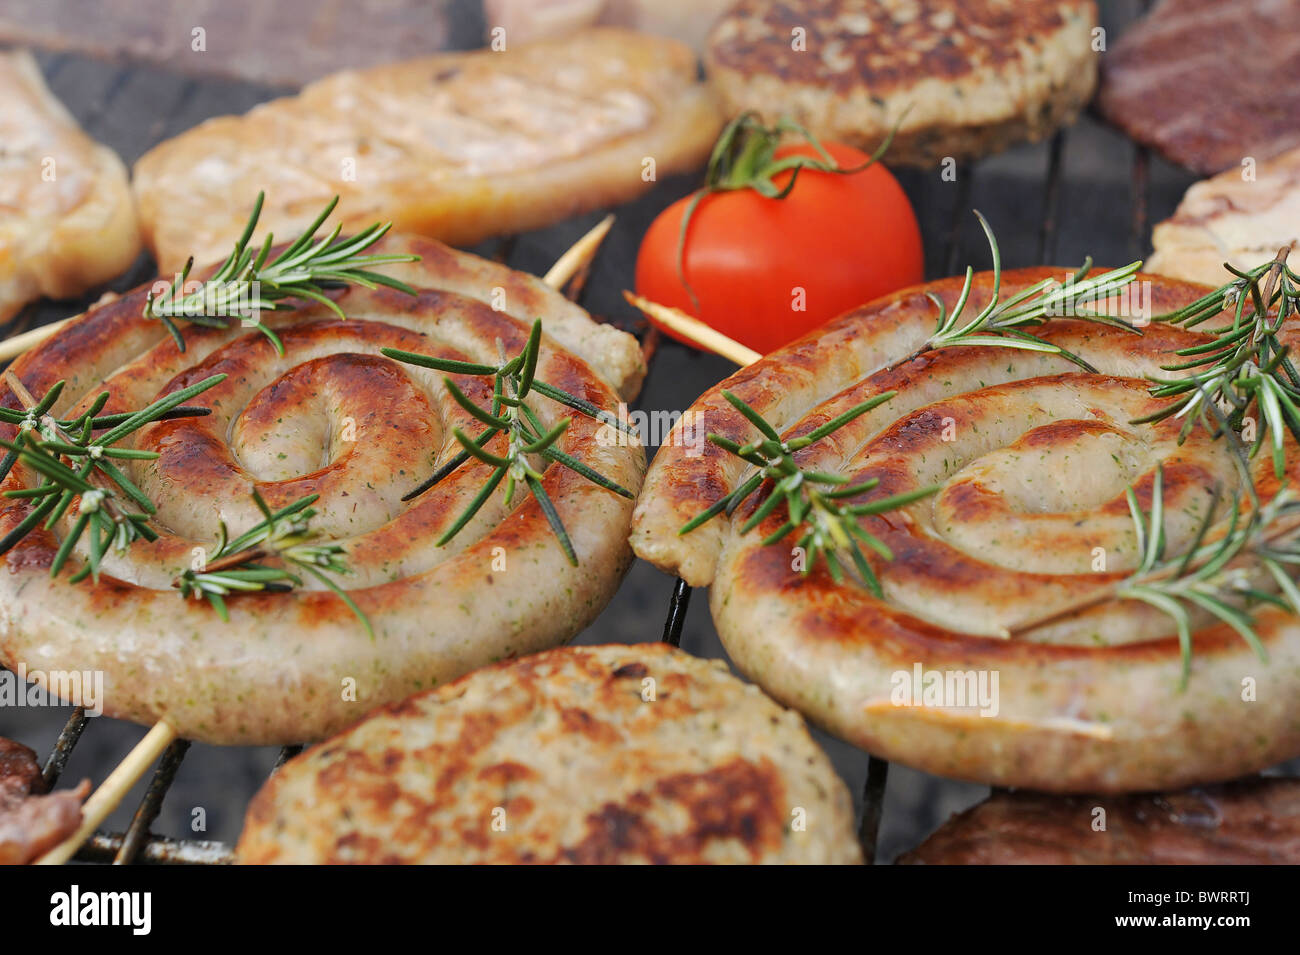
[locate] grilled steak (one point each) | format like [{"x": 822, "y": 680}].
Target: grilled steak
[
  {"x": 1230, "y": 219},
  {"x": 67, "y": 220},
  {"x": 1250, "y": 822},
  {"x": 961, "y": 78},
  {"x": 456, "y": 146},
  {"x": 614, "y": 754},
  {"x": 1208, "y": 83}
]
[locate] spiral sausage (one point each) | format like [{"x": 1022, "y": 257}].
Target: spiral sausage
[
  {"x": 335, "y": 418},
  {"x": 1033, "y": 457}
]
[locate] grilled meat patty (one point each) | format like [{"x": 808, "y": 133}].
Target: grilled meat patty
[
  {"x": 960, "y": 78},
  {"x": 1248, "y": 822},
  {"x": 67, "y": 220},
  {"x": 613, "y": 754},
  {"x": 1032, "y": 457},
  {"x": 1229, "y": 218},
  {"x": 456, "y": 146},
  {"x": 1207, "y": 83},
  {"x": 335, "y": 418}
]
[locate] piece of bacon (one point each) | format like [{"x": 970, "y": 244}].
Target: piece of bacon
[{"x": 32, "y": 820}]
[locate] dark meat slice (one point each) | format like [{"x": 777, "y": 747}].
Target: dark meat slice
[
  {"x": 275, "y": 43},
  {"x": 1253, "y": 821},
  {"x": 31, "y": 822},
  {"x": 20, "y": 775},
  {"x": 1208, "y": 83}
]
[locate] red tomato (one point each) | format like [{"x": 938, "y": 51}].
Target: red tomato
[{"x": 768, "y": 270}]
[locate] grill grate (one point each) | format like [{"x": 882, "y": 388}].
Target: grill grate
[{"x": 139, "y": 845}]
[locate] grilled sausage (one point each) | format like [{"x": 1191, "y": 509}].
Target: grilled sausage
[
  {"x": 1033, "y": 457},
  {"x": 291, "y": 666}
]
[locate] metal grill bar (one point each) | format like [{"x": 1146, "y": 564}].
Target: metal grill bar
[
  {"x": 677, "y": 606},
  {"x": 873, "y": 807},
  {"x": 286, "y": 754},
  {"x": 952, "y": 243},
  {"x": 1138, "y": 222},
  {"x": 1051, "y": 201},
  {"x": 149, "y": 807},
  {"x": 63, "y": 747},
  {"x": 157, "y": 850}
]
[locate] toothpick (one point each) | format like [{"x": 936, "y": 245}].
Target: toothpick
[
  {"x": 708, "y": 338},
  {"x": 114, "y": 789},
  {"x": 13, "y": 347},
  {"x": 579, "y": 256}
]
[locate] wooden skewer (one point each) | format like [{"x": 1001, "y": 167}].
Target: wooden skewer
[
  {"x": 579, "y": 255},
  {"x": 114, "y": 789},
  {"x": 13, "y": 347},
  {"x": 695, "y": 330}
]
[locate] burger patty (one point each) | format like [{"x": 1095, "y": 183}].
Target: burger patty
[
  {"x": 959, "y": 79},
  {"x": 612, "y": 754}
]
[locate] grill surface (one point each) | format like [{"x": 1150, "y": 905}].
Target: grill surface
[{"x": 1087, "y": 191}]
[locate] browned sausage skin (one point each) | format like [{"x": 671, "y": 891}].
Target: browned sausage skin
[
  {"x": 299, "y": 665},
  {"x": 1033, "y": 457}
]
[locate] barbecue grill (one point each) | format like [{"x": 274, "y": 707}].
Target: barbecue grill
[{"x": 1086, "y": 191}]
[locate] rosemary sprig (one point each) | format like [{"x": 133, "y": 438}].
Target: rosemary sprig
[
  {"x": 1212, "y": 574},
  {"x": 1200, "y": 577},
  {"x": 248, "y": 283},
  {"x": 1002, "y": 324},
  {"x": 816, "y": 502},
  {"x": 237, "y": 565},
  {"x": 513, "y": 380},
  {"x": 76, "y": 464},
  {"x": 1243, "y": 362}
]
